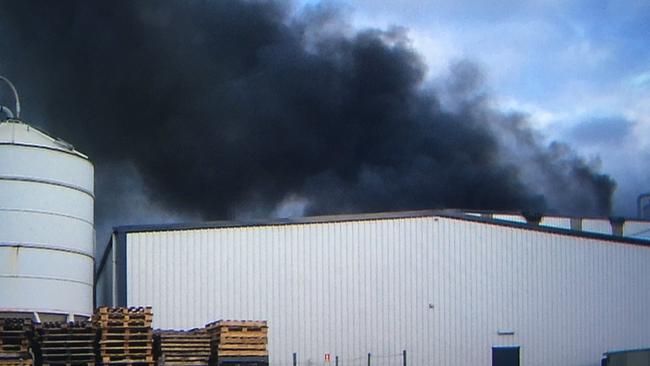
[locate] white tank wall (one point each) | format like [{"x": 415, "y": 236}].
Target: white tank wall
[
  {"x": 45, "y": 281},
  {"x": 46, "y": 225},
  {"x": 366, "y": 286}
]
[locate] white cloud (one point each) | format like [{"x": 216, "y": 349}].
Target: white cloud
[{"x": 436, "y": 49}]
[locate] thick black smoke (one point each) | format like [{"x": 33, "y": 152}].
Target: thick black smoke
[{"x": 223, "y": 107}]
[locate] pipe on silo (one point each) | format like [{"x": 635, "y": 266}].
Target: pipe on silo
[
  {"x": 7, "y": 112},
  {"x": 13, "y": 89}
]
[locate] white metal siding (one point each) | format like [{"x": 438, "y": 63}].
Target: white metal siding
[{"x": 356, "y": 287}]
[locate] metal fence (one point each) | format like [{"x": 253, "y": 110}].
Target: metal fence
[{"x": 370, "y": 359}]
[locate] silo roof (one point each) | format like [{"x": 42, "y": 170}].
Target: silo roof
[{"x": 15, "y": 132}]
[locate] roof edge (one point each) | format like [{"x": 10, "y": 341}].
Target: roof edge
[{"x": 451, "y": 214}]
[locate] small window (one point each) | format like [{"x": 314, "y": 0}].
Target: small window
[{"x": 505, "y": 356}]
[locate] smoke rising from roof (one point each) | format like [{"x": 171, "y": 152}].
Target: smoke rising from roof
[{"x": 224, "y": 108}]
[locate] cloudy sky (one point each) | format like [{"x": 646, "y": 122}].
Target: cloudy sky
[
  {"x": 579, "y": 69},
  {"x": 250, "y": 109}
]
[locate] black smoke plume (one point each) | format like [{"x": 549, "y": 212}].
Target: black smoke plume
[{"x": 222, "y": 108}]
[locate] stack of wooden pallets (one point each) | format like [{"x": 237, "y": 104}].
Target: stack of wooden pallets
[
  {"x": 238, "y": 342},
  {"x": 182, "y": 348},
  {"x": 15, "y": 334},
  {"x": 126, "y": 337},
  {"x": 66, "y": 344}
]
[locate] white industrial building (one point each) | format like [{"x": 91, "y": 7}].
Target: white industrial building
[{"x": 450, "y": 288}]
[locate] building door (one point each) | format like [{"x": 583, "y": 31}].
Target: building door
[{"x": 505, "y": 356}]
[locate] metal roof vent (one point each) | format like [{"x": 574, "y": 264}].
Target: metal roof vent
[{"x": 532, "y": 218}]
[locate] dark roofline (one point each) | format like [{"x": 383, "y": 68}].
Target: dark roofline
[
  {"x": 632, "y": 350},
  {"x": 452, "y": 214},
  {"x": 551, "y": 214}
]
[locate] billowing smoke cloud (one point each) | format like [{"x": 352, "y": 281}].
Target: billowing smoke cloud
[{"x": 223, "y": 108}]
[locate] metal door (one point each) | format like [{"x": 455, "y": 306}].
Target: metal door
[{"x": 505, "y": 356}]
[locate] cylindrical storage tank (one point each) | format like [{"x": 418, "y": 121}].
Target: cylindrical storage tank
[{"x": 47, "y": 238}]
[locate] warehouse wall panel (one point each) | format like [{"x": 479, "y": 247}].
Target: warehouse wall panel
[{"x": 446, "y": 290}]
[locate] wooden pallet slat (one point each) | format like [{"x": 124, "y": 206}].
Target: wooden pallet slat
[
  {"x": 15, "y": 334},
  {"x": 183, "y": 348}
]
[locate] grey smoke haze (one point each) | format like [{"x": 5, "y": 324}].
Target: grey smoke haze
[{"x": 218, "y": 108}]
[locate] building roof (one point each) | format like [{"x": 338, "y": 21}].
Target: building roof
[{"x": 453, "y": 214}]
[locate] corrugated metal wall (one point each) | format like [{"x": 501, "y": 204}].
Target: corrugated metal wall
[{"x": 440, "y": 288}]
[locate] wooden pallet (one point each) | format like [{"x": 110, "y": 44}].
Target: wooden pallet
[
  {"x": 128, "y": 311},
  {"x": 16, "y": 363},
  {"x": 124, "y": 317},
  {"x": 14, "y": 335},
  {"x": 126, "y": 358},
  {"x": 240, "y": 361},
  {"x": 66, "y": 344},
  {"x": 16, "y": 359},
  {"x": 182, "y": 348},
  {"x": 238, "y": 338},
  {"x": 126, "y": 337}
]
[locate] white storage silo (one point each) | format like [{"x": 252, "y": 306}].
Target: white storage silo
[{"x": 46, "y": 225}]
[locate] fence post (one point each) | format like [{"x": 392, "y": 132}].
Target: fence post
[
  {"x": 404, "y": 358},
  {"x": 368, "y": 358},
  {"x": 336, "y": 360},
  {"x": 295, "y": 359}
]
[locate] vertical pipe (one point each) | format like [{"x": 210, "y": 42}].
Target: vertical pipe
[
  {"x": 13, "y": 89},
  {"x": 295, "y": 359},
  {"x": 617, "y": 225},
  {"x": 576, "y": 223},
  {"x": 404, "y": 358},
  {"x": 368, "y": 358}
]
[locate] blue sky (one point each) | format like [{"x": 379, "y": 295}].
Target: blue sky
[{"x": 579, "y": 69}]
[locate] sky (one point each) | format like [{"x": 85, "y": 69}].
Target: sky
[{"x": 580, "y": 70}]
